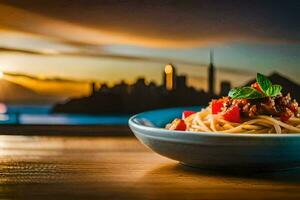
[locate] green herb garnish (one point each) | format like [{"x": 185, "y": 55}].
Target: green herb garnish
[
  {"x": 265, "y": 85},
  {"x": 273, "y": 91},
  {"x": 263, "y": 82},
  {"x": 245, "y": 93}
]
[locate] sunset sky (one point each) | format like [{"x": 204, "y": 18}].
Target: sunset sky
[{"x": 113, "y": 40}]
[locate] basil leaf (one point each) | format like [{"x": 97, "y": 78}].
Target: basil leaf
[
  {"x": 274, "y": 90},
  {"x": 245, "y": 93},
  {"x": 263, "y": 82}
]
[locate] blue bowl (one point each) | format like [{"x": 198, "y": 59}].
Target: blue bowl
[{"x": 225, "y": 151}]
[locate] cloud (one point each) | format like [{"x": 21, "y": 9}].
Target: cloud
[
  {"x": 100, "y": 54},
  {"x": 155, "y": 23},
  {"x": 54, "y": 79},
  {"x": 224, "y": 70},
  {"x": 24, "y": 51}
]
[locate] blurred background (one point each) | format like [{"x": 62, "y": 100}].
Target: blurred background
[{"x": 98, "y": 62}]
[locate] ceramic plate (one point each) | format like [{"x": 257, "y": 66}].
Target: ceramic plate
[{"x": 258, "y": 152}]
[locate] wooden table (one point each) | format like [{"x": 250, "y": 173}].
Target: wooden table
[{"x": 43, "y": 167}]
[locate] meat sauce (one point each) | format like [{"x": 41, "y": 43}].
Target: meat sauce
[{"x": 279, "y": 106}]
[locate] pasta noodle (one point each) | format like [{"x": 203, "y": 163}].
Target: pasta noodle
[{"x": 205, "y": 121}]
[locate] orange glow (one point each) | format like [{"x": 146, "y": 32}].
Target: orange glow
[
  {"x": 55, "y": 88},
  {"x": 3, "y": 108},
  {"x": 168, "y": 69}
]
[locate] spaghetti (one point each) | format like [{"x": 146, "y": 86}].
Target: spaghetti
[{"x": 205, "y": 121}]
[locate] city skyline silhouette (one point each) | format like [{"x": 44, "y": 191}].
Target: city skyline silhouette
[
  {"x": 125, "y": 98},
  {"x": 173, "y": 92}
]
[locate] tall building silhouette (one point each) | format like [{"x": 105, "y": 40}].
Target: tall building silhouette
[
  {"x": 93, "y": 88},
  {"x": 211, "y": 74},
  {"x": 225, "y": 87},
  {"x": 169, "y": 79}
]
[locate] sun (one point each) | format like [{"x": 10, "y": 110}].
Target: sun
[{"x": 1, "y": 74}]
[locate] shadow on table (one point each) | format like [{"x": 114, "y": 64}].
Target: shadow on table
[
  {"x": 282, "y": 176},
  {"x": 176, "y": 181}
]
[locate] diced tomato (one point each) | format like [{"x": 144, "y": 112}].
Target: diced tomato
[
  {"x": 257, "y": 87},
  {"x": 233, "y": 114},
  {"x": 217, "y": 105},
  {"x": 187, "y": 113},
  {"x": 294, "y": 107},
  {"x": 178, "y": 124},
  {"x": 285, "y": 116}
]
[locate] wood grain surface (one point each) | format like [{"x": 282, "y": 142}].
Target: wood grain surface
[{"x": 43, "y": 167}]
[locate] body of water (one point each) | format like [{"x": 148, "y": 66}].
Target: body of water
[{"x": 40, "y": 114}]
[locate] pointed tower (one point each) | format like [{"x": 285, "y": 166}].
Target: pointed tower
[
  {"x": 93, "y": 88},
  {"x": 211, "y": 74}
]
